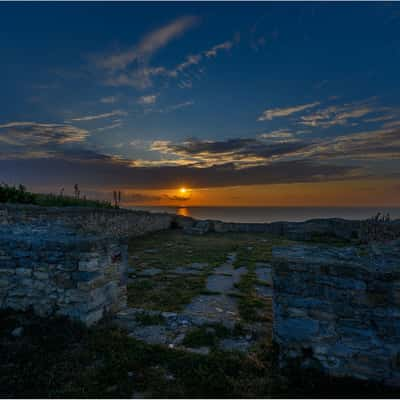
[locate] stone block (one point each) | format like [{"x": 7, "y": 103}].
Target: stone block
[
  {"x": 89, "y": 265},
  {"x": 297, "y": 329},
  {"x": 86, "y": 276},
  {"x": 41, "y": 275},
  {"x": 23, "y": 272}
]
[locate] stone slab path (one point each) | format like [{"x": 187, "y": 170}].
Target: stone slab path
[
  {"x": 217, "y": 306},
  {"x": 264, "y": 273}
]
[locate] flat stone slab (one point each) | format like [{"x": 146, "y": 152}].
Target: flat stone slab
[
  {"x": 242, "y": 345},
  {"x": 265, "y": 291},
  {"x": 218, "y": 307},
  {"x": 237, "y": 273},
  {"x": 225, "y": 269},
  {"x": 231, "y": 257},
  {"x": 185, "y": 271},
  {"x": 220, "y": 283},
  {"x": 199, "y": 265},
  {"x": 264, "y": 274},
  {"x": 152, "y": 334},
  {"x": 149, "y": 272},
  {"x": 224, "y": 279}
]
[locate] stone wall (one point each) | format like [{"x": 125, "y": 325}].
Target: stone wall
[
  {"x": 84, "y": 220},
  {"x": 314, "y": 229},
  {"x": 339, "y": 309},
  {"x": 68, "y": 261}
]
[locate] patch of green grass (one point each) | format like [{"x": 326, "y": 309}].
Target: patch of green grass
[
  {"x": 165, "y": 293},
  {"x": 249, "y": 303},
  {"x": 149, "y": 319},
  {"x": 59, "y": 359},
  {"x": 206, "y": 335},
  {"x": 177, "y": 249},
  {"x": 207, "y": 292},
  {"x": 173, "y": 248}
]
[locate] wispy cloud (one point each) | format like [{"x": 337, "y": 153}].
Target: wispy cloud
[
  {"x": 335, "y": 115},
  {"x": 139, "y": 78},
  {"x": 149, "y": 99},
  {"x": 280, "y": 134},
  {"x": 93, "y": 117},
  {"x": 219, "y": 47},
  {"x": 114, "y": 125},
  {"x": 132, "y": 66},
  {"x": 149, "y": 44},
  {"x": 270, "y": 114},
  {"x": 109, "y": 99},
  {"x": 30, "y": 133},
  {"x": 380, "y": 144},
  {"x": 195, "y": 59},
  {"x": 178, "y": 106},
  {"x": 241, "y": 152}
]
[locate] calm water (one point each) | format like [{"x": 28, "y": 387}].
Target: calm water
[{"x": 272, "y": 214}]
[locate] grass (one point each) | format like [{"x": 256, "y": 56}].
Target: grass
[
  {"x": 13, "y": 194},
  {"x": 257, "y": 250},
  {"x": 164, "y": 293},
  {"x": 144, "y": 318},
  {"x": 206, "y": 335},
  {"x": 168, "y": 250},
  {"x": 60, "y": 359}
]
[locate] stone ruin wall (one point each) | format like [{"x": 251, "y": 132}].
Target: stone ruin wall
[
  {"x": 333, "y": 307},
  {"x": 68, "y": 261},
  {"x": 338, "y": 309}
]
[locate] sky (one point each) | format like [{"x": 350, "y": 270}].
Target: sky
[{"x": 241, "y": 104}]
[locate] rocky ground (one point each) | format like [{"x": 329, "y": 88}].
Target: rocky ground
[
  {"x": 200, "y": 293},
  {"x": 198, "y": 326}
]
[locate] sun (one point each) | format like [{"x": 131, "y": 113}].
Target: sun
[{"x": 183, "y": 190}]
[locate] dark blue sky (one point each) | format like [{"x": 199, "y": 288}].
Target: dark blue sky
[{"x": 150, "y": 96}]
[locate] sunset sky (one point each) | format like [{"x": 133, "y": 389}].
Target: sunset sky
[{"x": 241, "y": 104}]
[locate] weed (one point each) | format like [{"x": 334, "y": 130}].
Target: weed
[{"x": 149, "y": 319}]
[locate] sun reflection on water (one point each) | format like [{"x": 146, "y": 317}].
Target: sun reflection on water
[{"x": 183, "y": 212}]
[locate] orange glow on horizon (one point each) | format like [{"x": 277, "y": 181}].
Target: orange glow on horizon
[{"x": 363, "y": 192}]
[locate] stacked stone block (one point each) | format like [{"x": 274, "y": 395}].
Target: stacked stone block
[
  {"x": 340, "y": 309},
  {"x": 68, "y": 261},
  {"x": 82, "y": 278}
]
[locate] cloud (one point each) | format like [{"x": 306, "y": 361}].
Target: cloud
[
  {"x": 132, "y": 67},
  {"x": 109, "y": 100},
  {"x": 335, "y": 115},
  {"x": 111, "y": 114},
  {"x": 242, "y": 152},
  {"x": 222, "y": 46},
  {"x": 146, "y": 100},
  {"x": 381, "y": 144},
  {"x": 140, "y": 78},
  {"x": 149, "y": 44},
  {"x": 280, "y": 134},
  {"x": 114, "y": 125},
  {"x": 139, "y": 198},
  {"x": 109, "y": 173},
  {"x": 189, "y": 61},
  {"x": 285, "y": 112},
  {"x": 346, "y": 114},
  {"x": 28, "y": 133},
  {"x": 178, "y": 106},
  {"x": 195, "y": 59},
  {"x": 177, "y": 197}
]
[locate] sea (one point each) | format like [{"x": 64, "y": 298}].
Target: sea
[{"x": 273, "y": 214}]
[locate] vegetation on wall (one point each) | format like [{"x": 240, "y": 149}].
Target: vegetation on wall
[{"x": 19, "y": 194}]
